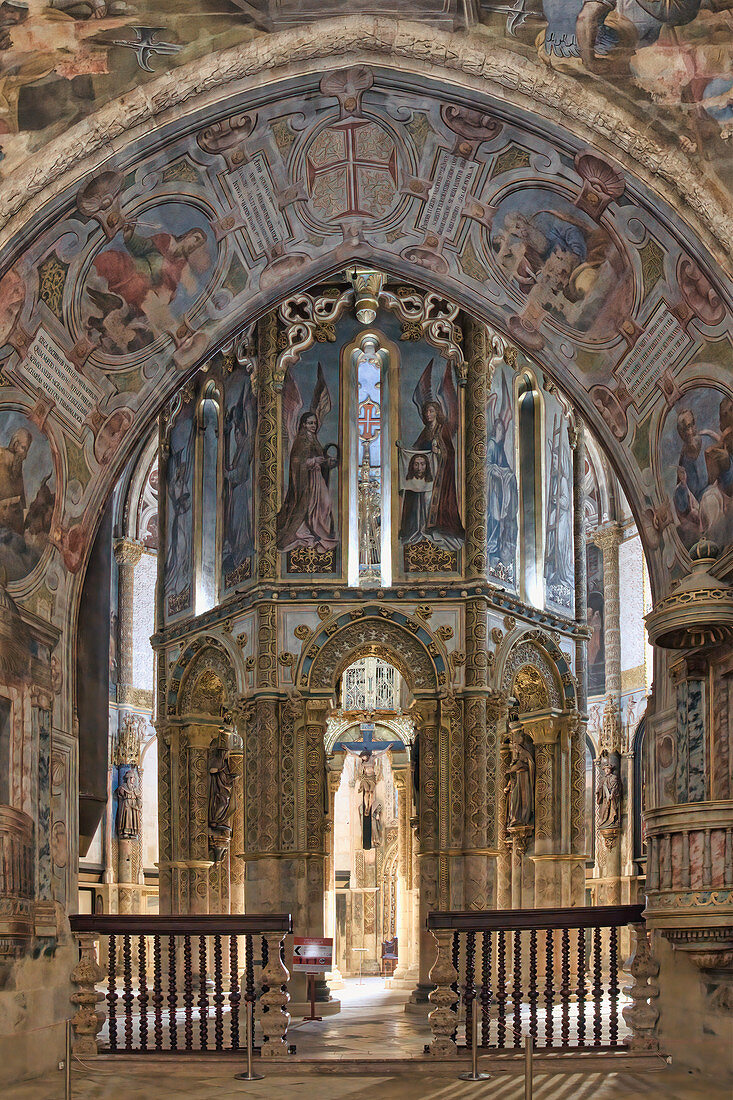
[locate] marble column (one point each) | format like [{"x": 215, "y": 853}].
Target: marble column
[
  {"x": 608, "y": 849},
  {"x": 127, "y": 555}
]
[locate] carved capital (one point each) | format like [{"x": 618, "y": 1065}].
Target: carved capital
[{"x": 127, "y": 552}]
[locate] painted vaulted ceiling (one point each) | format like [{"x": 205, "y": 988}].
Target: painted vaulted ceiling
[{"x": 534, "y": 182}]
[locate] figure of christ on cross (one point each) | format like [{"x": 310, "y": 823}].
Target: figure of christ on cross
[{"x": 369, "y": 753}]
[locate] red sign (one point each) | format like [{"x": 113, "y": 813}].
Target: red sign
[{"x": 312, "y": 954}]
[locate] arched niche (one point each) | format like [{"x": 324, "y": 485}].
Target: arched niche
[
  {"x": 203, "y": 680},
  {"x": 391, "y": 634}
]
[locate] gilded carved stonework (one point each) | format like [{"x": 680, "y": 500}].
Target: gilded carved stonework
[
  {"x": 373, "y": 636},
  {"x": 525, "y": 654},
  {"x": 530, "y": 690}
]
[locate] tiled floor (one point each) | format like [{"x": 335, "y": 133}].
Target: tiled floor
[{"x": 372, "y": 1025}]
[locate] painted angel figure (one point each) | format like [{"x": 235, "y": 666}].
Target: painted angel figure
[
  {"x": 179, "y": 502},
  {"x": 306, "y": 517},
  {"x": 502, "y": 481},
  {"x": 240, "y": 439},
  {"x": 429, "y": 497}
]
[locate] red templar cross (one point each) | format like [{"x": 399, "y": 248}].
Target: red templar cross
[
  {"x": 369, "y": 420},
  {"x": 352, "y": 169}
]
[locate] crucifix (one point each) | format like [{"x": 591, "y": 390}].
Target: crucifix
[{"x": 368, "y": 751}]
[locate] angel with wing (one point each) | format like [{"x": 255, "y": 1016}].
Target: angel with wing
[
  {"x": 503, "y": 494},
  {"x": 429, "y": 497},
  {"x": 306, "y": 517}
]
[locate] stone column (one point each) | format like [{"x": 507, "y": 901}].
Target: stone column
[
  {"x": 608, "y": 538},
  {"x": 404, "y": 975},
  {"x": 430, "y": 816},
  {"x": 608, "y": 849},
  {"x": 579, "y": 723},
  {"x": 199, "y": 862},
  {"x": 504, "y": 860},
  {"x": 237, "y": 865},
  {"x": 127, "y": 555}
]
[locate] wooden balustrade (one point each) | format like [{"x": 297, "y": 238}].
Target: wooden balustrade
[
  {"x": 177, "y": 983},
  {"x": 552, "y": 974}
]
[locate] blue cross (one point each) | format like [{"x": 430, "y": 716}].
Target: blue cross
[{"x": 367, "y": 743}]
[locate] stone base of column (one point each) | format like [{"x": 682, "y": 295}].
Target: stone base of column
[
  {"x": 418, "y": 1004},
  {"x": 404, "y": 977},
  {"x": 298, "y": 1009}
]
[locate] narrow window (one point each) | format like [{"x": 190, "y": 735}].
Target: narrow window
[
  {"x": 370, "y": 544},
  {"x": 208, "y": 485},
  {"x": 530, "y": 489}
]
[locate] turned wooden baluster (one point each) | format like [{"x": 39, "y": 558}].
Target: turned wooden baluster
[
  {"x": 172, "y": 997},
  {"x": 517, "y": 989},
  {"x": 234, "y": 995},
  {"x": 549, "y": 988},
  {"x": 485, "y": 988},
  {"x": 581, "y": 987},
  {"x": 565, "y": 988},
  {"x": 203, "y": 1001},
  {"x": 456, "y": 961},
  {"x": 112, "y": 994},
  {"x": 533, "y": 994},
  {"x": 187, "y": 993},
  {"x": 613, "y": 986},
  {"x": 218, "y": 996},
  {"x": 127, "y": 994},
  {"x": 597, "y": 987},
  {"x": 142, "y": 983},
  {"x": 157, "y": 993},
  {"x": 249, "y": 969},
  {"x": 470, "y": 989},
  {"x": 501, "y": 994}
]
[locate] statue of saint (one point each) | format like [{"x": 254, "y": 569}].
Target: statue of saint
[
  {"x": 608, "y": 797},
  {"x": 520, "y": 787},
  {"x": 129, "y": 804},
  {"x": 222, "y": 801}
]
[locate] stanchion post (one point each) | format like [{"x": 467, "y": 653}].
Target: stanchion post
[
  {"x": 249, "y": 1075},
  {"x": 528, "y": 1069},
  {"x": 67, "y": 1063},
  {"x": 473, "y": 1074}
]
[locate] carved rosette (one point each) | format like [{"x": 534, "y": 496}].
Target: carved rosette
[
  {"x": 272, "y": 1006},
  {"x": 86, "y": 1022}
]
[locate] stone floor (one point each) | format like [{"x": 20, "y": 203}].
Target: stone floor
[{"x": 371, "y": 1027}]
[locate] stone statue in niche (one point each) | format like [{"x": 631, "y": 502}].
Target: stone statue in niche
[
  {"x": 129, "y": 805},
  {"x": 520, "y": 787},
  {"x": 222, "y": 800},
  {"x": 608, "y": 796}
]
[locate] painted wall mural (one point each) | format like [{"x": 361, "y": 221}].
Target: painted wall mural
[
  {"x": 168, "y": 251},
  {"x": 558, "y": 486},
  {"x": 502, "y": 478},
  {"x": 308, "y": 528},
  {"x": 180, "y": 510},
  {"x": 431, "y": 529},
  {"x": 696, "y": 463},
  {"x": 240, "y": 425},
  {"x": 673, "y": 66},
  {"x": 150, "y": 273},
  {"x": 565, "y": 267},
  {"x": 27, "y": 495},
  {"x": 596, "y": 614}
]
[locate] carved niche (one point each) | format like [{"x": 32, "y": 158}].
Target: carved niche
[
  {"x": 532, "y": 678},
  {"x": 371, "y": 636},
  {"x": 210, "y": 683}
]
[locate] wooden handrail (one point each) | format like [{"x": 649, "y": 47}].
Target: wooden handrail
[
  {"x": 182, "y": 924},
  {"x": 593, "y": 916}
]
